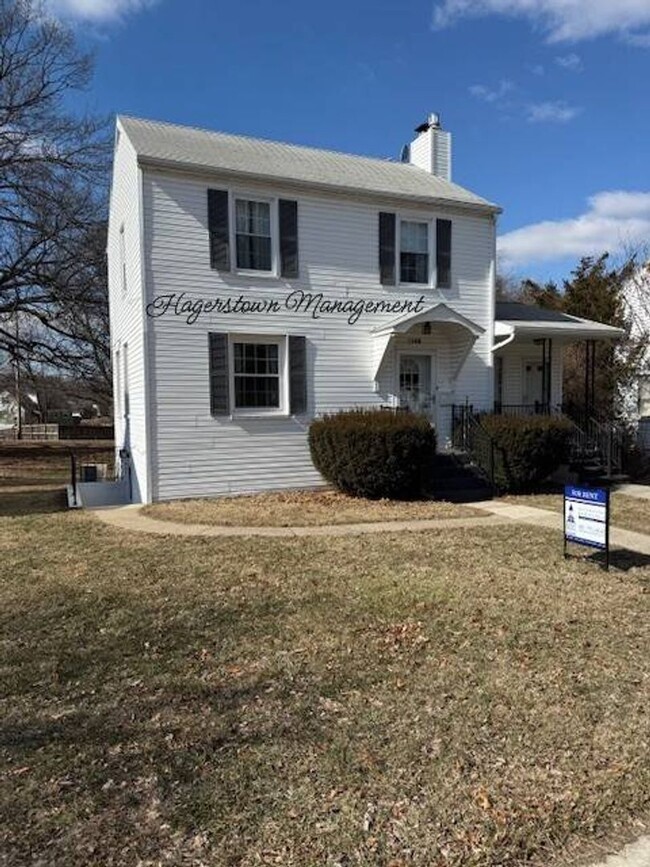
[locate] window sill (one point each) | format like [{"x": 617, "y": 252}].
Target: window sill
[
  {"x": 266, "y": 275},
  {"x": 238, "y": 415}
]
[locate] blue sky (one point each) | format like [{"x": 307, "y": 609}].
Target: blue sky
[{"x": 547, "y": 100}]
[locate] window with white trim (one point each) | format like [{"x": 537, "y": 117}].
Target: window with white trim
[
  {"x": 123, "y": 258},
  {"x": 258, "y": 374},
  {"x": 413, "y": 252},
  {"x": 253, "y": 235}
]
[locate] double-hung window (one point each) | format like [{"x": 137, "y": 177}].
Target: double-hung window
[
  {"x": 253, "y": 235},
  {"x": 414, "y": 252},
  {"x": 257, "y": 373}
]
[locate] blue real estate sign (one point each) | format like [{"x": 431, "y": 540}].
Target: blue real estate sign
[{"x": 586, "y": 516}]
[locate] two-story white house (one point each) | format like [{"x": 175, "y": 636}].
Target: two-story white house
[{"x": 255, "y": 285}]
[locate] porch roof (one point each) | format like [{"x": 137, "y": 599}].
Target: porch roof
[
  {"x": 437, "y": 313},
  {"x": 514, "y": 319}
]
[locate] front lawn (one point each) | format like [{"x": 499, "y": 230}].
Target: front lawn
[
  {"x": 436, "y": 698},
  {"x": 629, "y": 513},
  {"x": 303, "y": 509}
]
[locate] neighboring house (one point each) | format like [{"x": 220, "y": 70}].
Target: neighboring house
[
  {"x": 637, "y": 400},
  {"x": 255, "y": 285}
]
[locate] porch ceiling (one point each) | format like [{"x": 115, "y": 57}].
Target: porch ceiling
[{"x": 440, "y": 314}]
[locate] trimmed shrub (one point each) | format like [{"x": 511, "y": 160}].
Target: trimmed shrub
[
  {"x": 373, "y": 453},
  {"x": 527, "y": 448}
]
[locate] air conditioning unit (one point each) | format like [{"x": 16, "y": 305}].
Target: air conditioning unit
[{"x": 93, "y": 472}]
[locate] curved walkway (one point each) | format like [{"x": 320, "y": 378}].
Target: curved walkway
[{"x": 131, "y": 518}]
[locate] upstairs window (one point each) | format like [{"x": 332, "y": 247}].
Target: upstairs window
[
  {"x": 414, "y": 252},
  {"x": 253, "y": 235}
]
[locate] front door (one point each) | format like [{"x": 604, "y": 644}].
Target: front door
[
  {"x": 416, "y": 391},
  {"x": 533, "y": 383}
]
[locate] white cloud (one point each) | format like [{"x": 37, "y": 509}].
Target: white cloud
[
  {"x": 551, "y": 112},
  {"x": 561, "y": 20},
  {"x": 96, "y": 11},
  {"x": 480, "y": 91},
  {"x": 572, "y": 62},
  {"x": 639, "y": 40},
  {"x": 613, "y": 222}
]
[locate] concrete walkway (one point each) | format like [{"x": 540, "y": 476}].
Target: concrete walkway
[
  {"x": 640, "y": 491},
  {"x": 619, "y": 538},
  {"x": 131, "y": 518},
  {"x": 636, "y": 854}
]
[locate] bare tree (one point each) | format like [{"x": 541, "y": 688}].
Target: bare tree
[{"x": 53, "y": 184}]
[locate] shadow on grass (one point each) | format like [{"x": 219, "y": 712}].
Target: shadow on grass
[
  {"x": 619, "y": 558},
  {"x": 14, "y": 504}
]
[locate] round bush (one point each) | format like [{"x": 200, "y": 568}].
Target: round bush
[
  {"x": 373, "y": 453},
  {"x": 527, "y": 448}
]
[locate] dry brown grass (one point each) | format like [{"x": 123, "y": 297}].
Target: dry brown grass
[
  {"x": 304, "y": 509},
  {"x": 439, "y": 698},
  {"x": 629, "y": 513}
]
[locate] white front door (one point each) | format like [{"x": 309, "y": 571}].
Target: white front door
[
  {"x": 416, "y": 383},
  {"x": 533, "y": 383}
]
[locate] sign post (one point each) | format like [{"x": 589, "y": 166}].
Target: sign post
[{"x": 586, "y": 518}]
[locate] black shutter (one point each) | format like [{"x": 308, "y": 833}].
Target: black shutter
[
  {"x": 297, "y": 375},
  {"x": 387, "y": 248},
  {"x": 288, "y": 238},
  {"x": 219, "y": 375},
  {"x": 218, "y": 226},
  {"x": 443, "y": 253}
]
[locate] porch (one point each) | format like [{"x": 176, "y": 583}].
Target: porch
[{"x": 422, "y": 362}]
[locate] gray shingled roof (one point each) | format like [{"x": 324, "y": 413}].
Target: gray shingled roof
[
  {"x": 167, "y": 144},
  {"x": 515, "y": 311}
]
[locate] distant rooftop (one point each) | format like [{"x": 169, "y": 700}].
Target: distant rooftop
[{"x": 169, "y": 145}]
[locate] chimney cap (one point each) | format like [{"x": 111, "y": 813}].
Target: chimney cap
[{"x": 432, "y": 122}]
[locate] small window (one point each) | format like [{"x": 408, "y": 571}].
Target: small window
[
  {"x": 257, "y": 375},
  {"x": 253, "y": 235},
  {"x": 414, "y": 252},
  {"x": 644, "y": 396},
  {"x": 122, "y": 258}
]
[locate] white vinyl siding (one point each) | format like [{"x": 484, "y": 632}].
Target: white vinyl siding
[
  {"x": 127, "y": 319},
  {"x": 199, "y": 455},
  {"x": 516, "y": 356}
]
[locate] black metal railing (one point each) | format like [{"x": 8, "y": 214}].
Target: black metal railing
[
  {"x": 90, "y": 465},
  {"x": 525, "y": 409},
  {"x": 593, "y": 442},
  {"x": 468, "y": 435}
]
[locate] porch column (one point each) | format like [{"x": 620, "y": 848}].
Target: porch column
[
  {"x": 590, "y": 376},
  {"x": 548, "y": 375}
]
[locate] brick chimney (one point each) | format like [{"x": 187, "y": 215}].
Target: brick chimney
[{"x": 431, "y": 150}]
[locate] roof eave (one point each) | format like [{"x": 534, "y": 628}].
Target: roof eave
[
  {"x": 572, "y": 330},
  {"x": 197, "y": 168}
]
